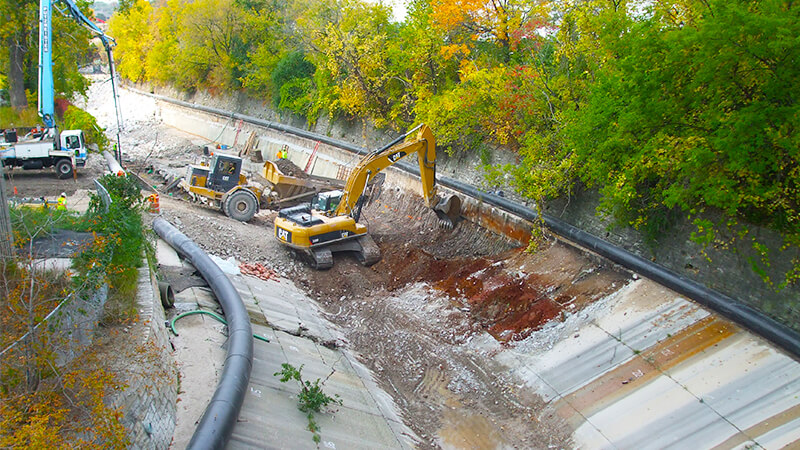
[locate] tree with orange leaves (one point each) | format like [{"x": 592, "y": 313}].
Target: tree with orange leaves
[{"x": 492, "y": 20}]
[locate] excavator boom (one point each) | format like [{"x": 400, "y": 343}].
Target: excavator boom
[{"x": 421, "y": 142}]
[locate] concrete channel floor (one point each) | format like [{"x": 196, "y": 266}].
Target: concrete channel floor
[
  {"x": 642, "y": 368},
  {"x": 298, "y": 335},
  {"x": 645, "y": 368}
]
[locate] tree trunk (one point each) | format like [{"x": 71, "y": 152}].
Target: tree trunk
[
  {"x": 16, "y": 72},
  {"x": 5, "y": 222}
]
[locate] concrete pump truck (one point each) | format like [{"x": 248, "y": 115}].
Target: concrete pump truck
[
  {"x": 64, "y": 150},
  {"x": 330, "y": 223}
]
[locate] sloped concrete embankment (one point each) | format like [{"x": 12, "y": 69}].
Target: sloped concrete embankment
[
  {"x": 292, "y": 331},
  {"x": 645, "y": 368}
]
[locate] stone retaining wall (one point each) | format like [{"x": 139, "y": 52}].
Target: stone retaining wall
[{"x": 150, "y": 400}]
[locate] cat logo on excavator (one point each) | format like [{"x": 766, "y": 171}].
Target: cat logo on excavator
[{"x": 396, "y": 156}]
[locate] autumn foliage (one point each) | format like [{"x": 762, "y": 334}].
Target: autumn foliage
[
  {"x": 668, "y": 109},
  {"x": 54, "y": 392}
]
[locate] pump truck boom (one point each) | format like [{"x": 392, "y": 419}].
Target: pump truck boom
[{"x": 330, "y": 223}]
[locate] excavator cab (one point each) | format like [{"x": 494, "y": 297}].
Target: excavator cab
[
  {"x": 326, "y": 202},
  {"x": 224, "y": 174}
]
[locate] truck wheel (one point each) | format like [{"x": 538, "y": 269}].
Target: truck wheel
[
  {"x": 64, "y": 168},
  {"x": 241, "y": 205}
]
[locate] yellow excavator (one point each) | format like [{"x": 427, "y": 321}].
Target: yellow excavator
[{"x": 330, "y": 224}]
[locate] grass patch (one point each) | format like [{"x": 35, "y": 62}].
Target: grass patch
[{"x": 9, "y": 117}]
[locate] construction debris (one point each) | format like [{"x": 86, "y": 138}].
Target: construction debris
[{"x": 259, "y": 271}]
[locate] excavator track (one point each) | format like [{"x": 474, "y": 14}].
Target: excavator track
[
  {"x": 370, "y": 252},
  {"x": 321, "y": 258}
]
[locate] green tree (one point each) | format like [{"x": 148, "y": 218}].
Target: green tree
[
  {"x": 291, "y": 82},
  {"x": 354, "y": 50},
  {"x": 690, "y": 116},
  {"x": 211, "y": 45},
  {"x": 19, "y": 57},
  {"x": 267, "y": 35},
  {"x": 131, "y": 29}
]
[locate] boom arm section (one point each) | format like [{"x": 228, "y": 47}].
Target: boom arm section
[
  {"x": 46, "y": 86},
  {"x": 423, "y": 144}
]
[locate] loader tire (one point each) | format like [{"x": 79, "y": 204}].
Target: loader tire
[
  {"x": 240, "y": 205},
  {"x": 64, "y": 168}
]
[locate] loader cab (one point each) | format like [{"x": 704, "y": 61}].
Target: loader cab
[
  {"x": 326, "y": 202},
  {"x": 224, "y": 174}
]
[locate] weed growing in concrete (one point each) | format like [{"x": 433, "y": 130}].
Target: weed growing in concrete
[{"x": 311, "y": 399}]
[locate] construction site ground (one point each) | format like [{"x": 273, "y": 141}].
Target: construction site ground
[
  {"x": 478, "y": 343},
  {"x": 402, "y": 324}
]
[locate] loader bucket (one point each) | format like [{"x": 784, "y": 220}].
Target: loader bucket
[{"x": 448, "y": 209}]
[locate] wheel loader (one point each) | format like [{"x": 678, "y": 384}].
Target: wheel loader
[
  {"x": 222, "y": 184},
  {"x": 330, "y": 223}
]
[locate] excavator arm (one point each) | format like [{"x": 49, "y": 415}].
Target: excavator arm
[{"x": 419, "y": 140}]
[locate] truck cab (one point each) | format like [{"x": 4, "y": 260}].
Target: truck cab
[
  {"x": 74, "y": 142},
  {"x": 224, "y": 173}
]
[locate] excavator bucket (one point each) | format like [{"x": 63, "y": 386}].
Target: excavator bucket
[{"x": 448, "y": 209}]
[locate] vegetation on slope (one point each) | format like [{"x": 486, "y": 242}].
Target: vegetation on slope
[
  {"x": 49, "y": 400},
  {"x": 668, "y": 108}
]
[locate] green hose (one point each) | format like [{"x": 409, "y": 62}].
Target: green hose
[{"x": 214, "y": 315}]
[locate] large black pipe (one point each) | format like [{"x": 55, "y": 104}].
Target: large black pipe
[
  {"x": 216, "y": 425},
  {"x": 744, "y": 315}
]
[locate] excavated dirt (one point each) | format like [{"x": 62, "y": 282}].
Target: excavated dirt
[{"x": 290, "y": 169}]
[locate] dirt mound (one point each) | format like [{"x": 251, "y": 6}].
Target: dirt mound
[{"x": 289, "y": 168}]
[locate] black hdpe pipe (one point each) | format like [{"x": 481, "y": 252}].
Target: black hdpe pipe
[
  {"x": 216, "y": 425},
  {"x": 744, "y": 315}
]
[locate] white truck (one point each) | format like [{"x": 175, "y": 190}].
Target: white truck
[{"x": 65, "y": 151}]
